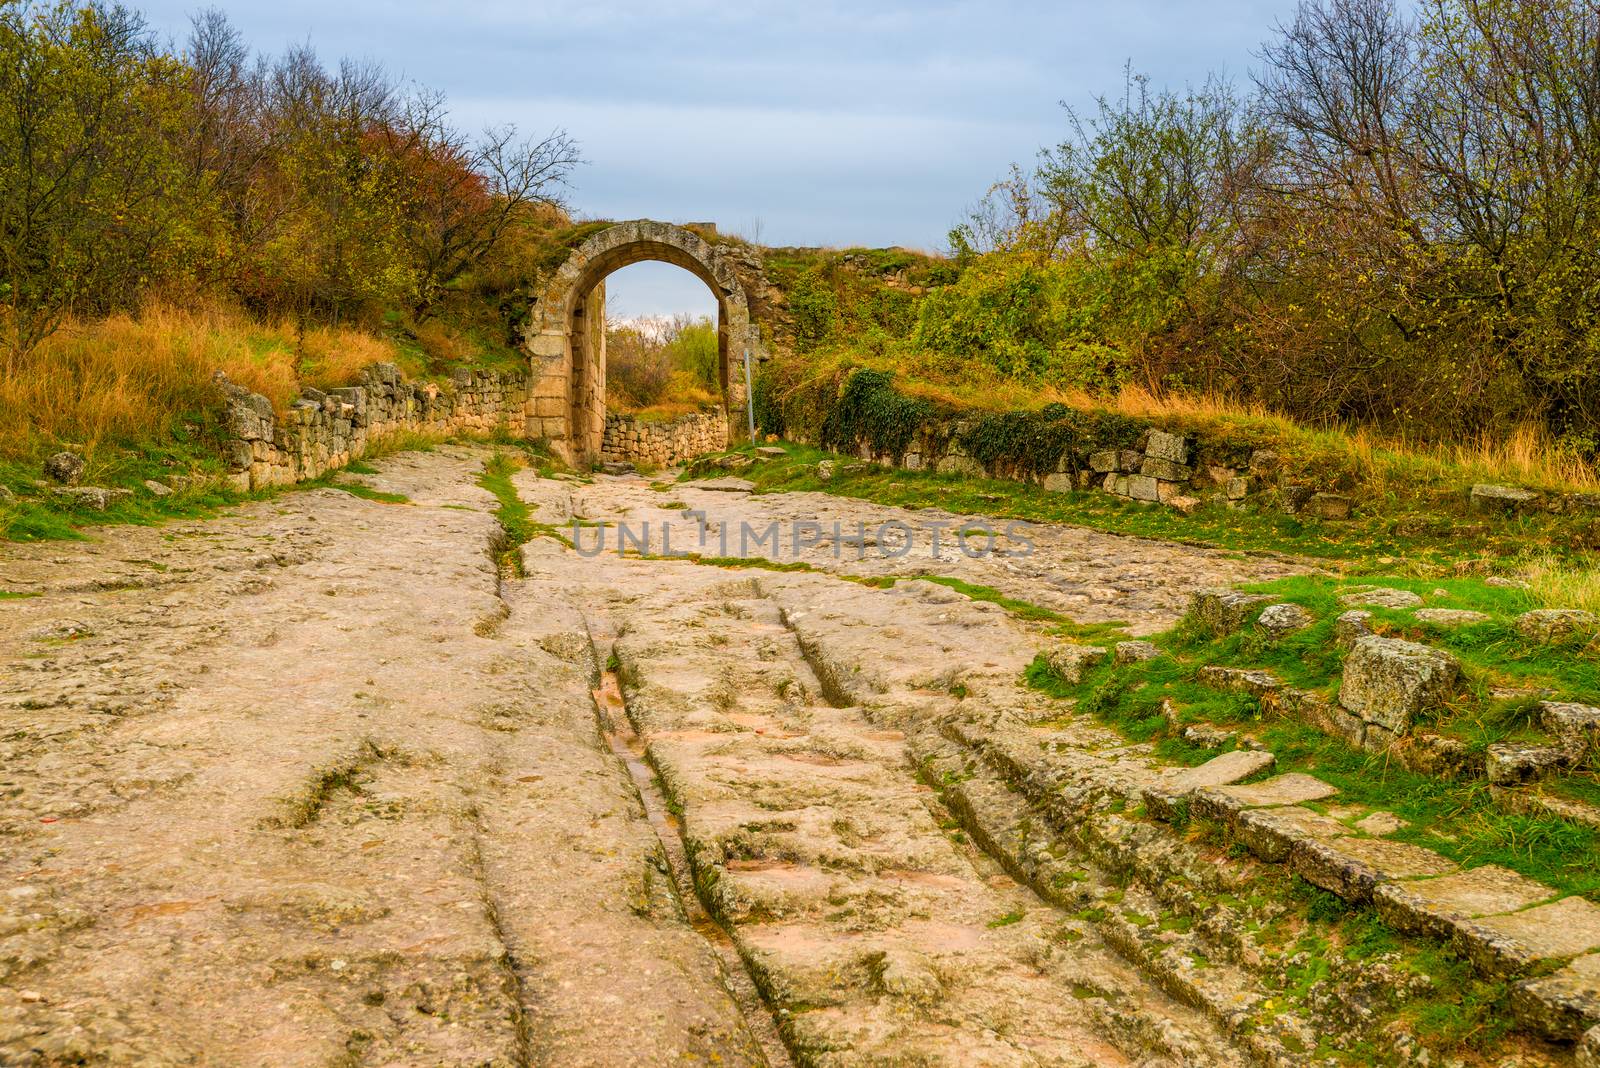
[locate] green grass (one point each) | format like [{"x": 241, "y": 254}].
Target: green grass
[
  {"x": 512, "y": 512},
  {"x": 1413, "y": 536},
  {"x": 15, "y": 595}
]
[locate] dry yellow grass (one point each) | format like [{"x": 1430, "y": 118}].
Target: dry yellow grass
[
  {"x": 131, "y": 378},
  {"x": 1557, "y": 583}
]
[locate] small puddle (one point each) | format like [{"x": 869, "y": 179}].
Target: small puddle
[{"x": 629, "y": 747}]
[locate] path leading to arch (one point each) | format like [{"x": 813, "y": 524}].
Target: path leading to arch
[{"x": 317, "y": 783}]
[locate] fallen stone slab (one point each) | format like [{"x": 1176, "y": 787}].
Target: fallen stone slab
[
  {"x": 617, "y": 467},
  {"x": 1508, "y": 763},
  {"x": 94, "y": 498},
  {"x": 1353, "y": 867},
  {"x": 771, "y": 450},
  {"x": 1487, "y": 497},
  {"x": 1513, "y": 944},
  {"x": 1224, "y": 803},
  {"x": 1380, "y": 823},
  {"x": 1550, "y": 624},
  {"x": 157, "y": 489},
  {"x": 724, "y": 485},
  {"x": 1280, "y": 620},
  {"x": 1436, "y": 907},
  {"x": 1273, "y": 833},
  {"x": 1570, "y": 720},
  {"x": 1450, "y": 617},
  {"x": 1223, "y": 611},
  {"x": 1380, "y": 597},
  {"x": 1072, "y": 662},
  {"x": 1388, "y": 682}
]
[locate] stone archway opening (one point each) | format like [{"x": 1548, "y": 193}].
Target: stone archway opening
[{"x": 566, "y": 338}]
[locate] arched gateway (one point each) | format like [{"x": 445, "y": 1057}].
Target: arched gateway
[{"x": 567, "y": 335}]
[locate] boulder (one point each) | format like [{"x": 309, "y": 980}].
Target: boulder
[
  {"x": 1072, "y": 662},
  {"x": 1550, "y": 624},
  {"x": 94, "y": 498},
  {"x": 1578, "y": 726},
  {"x": 1390, "y": 682},
  {"x": 824, "y": 470},
  {"x": 1183, "y": 504},
  {"x": 64, "y": 467},
  {"x": 1278, "y": 620},
  {"x": 1292, "y": 498},
  {"x": 157, "y": 489}
]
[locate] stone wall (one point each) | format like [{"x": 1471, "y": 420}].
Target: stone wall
[
  {"x": 325, "y": 430},
  {"x": 663, "y": 444}
]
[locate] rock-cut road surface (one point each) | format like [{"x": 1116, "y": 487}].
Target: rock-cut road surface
[{"x": 326, "y": 782}]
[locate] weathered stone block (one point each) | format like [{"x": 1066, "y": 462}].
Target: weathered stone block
[
  {"x": 1450, "y": 617},
  {"x": 1184, "y": 504},
  {"x": 1223, "y": 611},
  {"x": 1226, "y": 803},
  {"x": 1280, "y": 620},
  {"x": 1435, "y": 907},
  {"x": 1164, "y": 446},
  {"x": 1380, "y": 597},
  {"x": 1352, "y": 867},
  {"x": 1072, "y": 662},
  {"x": 1328, "y": 506},
  {"x": 1550, "y": 624},
  {"x": 1388, "y": 682},
  {"x": 1143, "y": 488},
  {"x": 1135, "y": 651},
  {"x": 1486, "y": 497},
  {"x": 1350, "y": 626},
  {"x": 1509, "y": 945},
  {"x": 1166, "y": 470},
  {"x": 1508, "y": 764},
  {"x": 1273, "y": 833},
  {"x": 1238, "y": 488},
  {"x": 1104, "y": 461},
  {"x": 1161, "y": 798},
  {"x": 1239, "y": 680}
]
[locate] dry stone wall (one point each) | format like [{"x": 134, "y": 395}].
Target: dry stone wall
[
  {"x": 325, "y": 430},
  {"x": 663, "y": 444}
]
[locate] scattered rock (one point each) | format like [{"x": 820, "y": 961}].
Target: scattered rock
[
  {"x": 1351, "y": 626},
  {"x": 157, "y": 489},
  {"x": 1223, "y": 611},
  {"x": 1550, "y": 624},
  {"x": 824, "y": 470},
  {"x": 1238, "y": 488},
  {"x": 1071, "y": 662},
  {"x": 1389, "y": 682},
  {"x": 1486, "y": 497},
  {"x": 771, "y": 450},
  {"x": 1380, "y": 597},
  {"x": 617, "y": 467},
  {"x": 1184, "y": 504},
  {"x": 1506, "y": 583},
  {"x": 1206, "y": 736},
  {"x": 1328, "y": 506},
  {"x": 1450, "y": 617},
  {"x": 1281, "y": 619},
  {"x": 64, "y": 467},
  {"x": 1239, "y": 680},
  {"x": 1294, "y": 497},
  {"x": 1507, "y": 764},
  {"x": 6, "y": 496},
  {"x": 1134, "y": 652},
  {"x": 1588, "y": 1052},
  {"x": 1576, "y": 725}
]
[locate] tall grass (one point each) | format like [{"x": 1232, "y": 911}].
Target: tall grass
[
  {"x": 134, "y": 379},
  {"x": 1557, "y": 583}
]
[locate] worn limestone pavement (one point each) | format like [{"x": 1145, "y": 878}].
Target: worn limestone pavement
[{"x": 320, "y": 782}]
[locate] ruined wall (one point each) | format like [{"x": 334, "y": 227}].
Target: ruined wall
[
  {"x": 662, "y": 444},
  {"x": 325, "y": 430}
]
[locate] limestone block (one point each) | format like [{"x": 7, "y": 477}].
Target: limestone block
[
  {"x": 1328, "y": 506},
  {"x": 1239, "y": 680},
  {"x": 1352, "y": 625},
  {"x": 1143, "y": 488},
  {"x": 1450, "y": 617},
  {"x": 1353, "y": 867},
  {"x": 1550, "y": 624},
  {"x": 1225, "y": 803},
  {"x": 1380, "y": 597},
  {"x": 1135, "y": 651},
  {"x": 1486, "y": 497},
  {"x": 1511, "y": 944},
  {"x": 1280, "y": 620},
  {"x": 1389, "y": 682},
  {"x": 1435, "y": 907},
  {"x": 1223, "y": 611},
  {"x": 1166, "y": 470},
  {"x": 1508, "y": 764},
  {"x": 1164, "y": 446},
  {"x": 1273, "y": 833},
  {"x": 1072, "y": 662}
]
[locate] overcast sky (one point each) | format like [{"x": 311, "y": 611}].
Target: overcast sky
[{"x": 802, "y": 123}]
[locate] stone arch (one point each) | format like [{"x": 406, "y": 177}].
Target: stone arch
[{"x": 566, "y": 335}]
